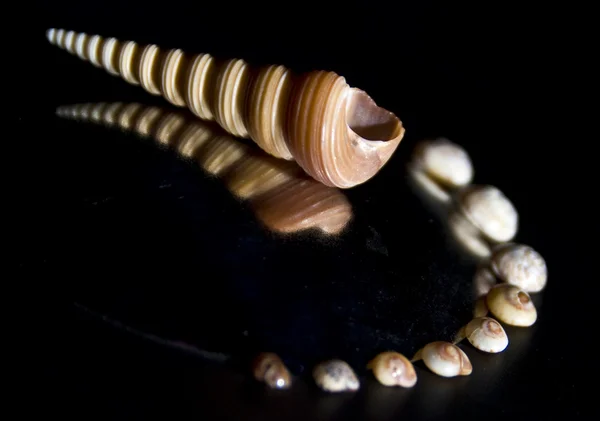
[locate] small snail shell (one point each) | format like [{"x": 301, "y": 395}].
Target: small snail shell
[
  {"x": 486, "y": 334},
  {"x": 393, "y": 369},
  {"x": 483, "y": 280},
  {"x": 335, "y": 132},
  {"x": 445, "y": 359},
  {"x": 511, "y": 305},
  {"x": 281, "y": 195},
  {"x": 335, "y": 376},
  {"x": 444, "y": 161},
  {"x": 520, "y": 265},
  {"x": 267, "y": 367},
  {"x": 490, "y": 211}
]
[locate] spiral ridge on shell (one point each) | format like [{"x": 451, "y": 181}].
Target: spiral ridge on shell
[
  {"x": 282, "y": 196},
  {"x": 336, "y": 133}
]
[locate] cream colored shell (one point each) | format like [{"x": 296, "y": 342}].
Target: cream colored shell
[
  {"x": 335, "y": 376},
  {"x": 520, "y": 265},
  {"x": 490, "y": 211},
  {"x": 511, "y": 305},
  {"x": 335, "y": 132},
  {"x": 445, "y": 359},
  {"x": 282, "y": 196},
  {"x": 444, "y": 161},
  {"x": 393, "y": 369},
  {"x": 486, "y": 334}
]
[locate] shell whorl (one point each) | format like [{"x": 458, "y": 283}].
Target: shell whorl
[
  {"x": 336, "y": 133},
  {"x": 282, "y": 196}
]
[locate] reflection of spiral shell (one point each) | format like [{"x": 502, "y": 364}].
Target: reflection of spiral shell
[
  {"x": 336, "y": 133},
  {"x": 283, "y": 197}
]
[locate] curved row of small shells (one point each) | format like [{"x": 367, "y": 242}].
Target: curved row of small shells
[
  {"x": 221, "y": 154},
  {"x": 282, "y": 197},
  {"x": 336, "y": 133},
  {"x": 485, "y": 221}
]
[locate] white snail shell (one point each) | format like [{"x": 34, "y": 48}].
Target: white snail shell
[
  {"x": 490, "y": 211},
  {"x": 393, "y": 369},
  {"x": 520, "y": 265},
  {"x": 267, "y": 367},
  {"x": 282, "y": 196},
  {"x": 445, "y": 359},
  {"x": 511, "y": 305},
  {"x": 486, "y": 334},
  {"x": 335, "y": 376},
  {"x": 335, "y": 132},
  {"x": 444, "y": 161}
]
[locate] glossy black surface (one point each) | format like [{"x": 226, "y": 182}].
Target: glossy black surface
[{"x": 102, "y": 213}]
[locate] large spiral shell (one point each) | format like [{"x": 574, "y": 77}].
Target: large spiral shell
[
  {"x": 282, "y": 196},
  {"x": 336, "y": 133}
]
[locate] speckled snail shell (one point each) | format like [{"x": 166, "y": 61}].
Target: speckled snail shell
[
  {"x": 520, "y": 265},
  {"x": 490, "y": 211},
  {"x": 335, "y": 376},
  {"x": 511, "y": 305},
  {"x": 335, "y": 132},
  {"x": 393, "y": 369},
  {"x": 446, "y": 162},
  {"x": 282, "y": 196},
  {"x": 486, "y": 334},
  {"x": 267, "y": 367},
  {"x": 445, "y": 359}
]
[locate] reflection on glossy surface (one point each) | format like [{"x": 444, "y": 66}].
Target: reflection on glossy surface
[
  {"x": 384, "y": 403},
  {"x": 438, "y": 394},
  {"x": 442, "y": 202},
  {"x": 428, "y": 185},
  {"x": 467, "y": 234},
  {"x": 283, "y": 198}
]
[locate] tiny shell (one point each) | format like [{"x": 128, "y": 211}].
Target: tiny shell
[
  {"x": 267, "y": 367},
  {"x": 490, "y": 211},
  {"x": 335, "y": 376},
  {"x": 520, "y": 265},
  {"x": 486, "y": 334},
  {"x": 445, "y": 359},
  {"x": 393, "y": 369},
  {"x": 511, "y": 305},
  {"x": 445, "y": 161}
]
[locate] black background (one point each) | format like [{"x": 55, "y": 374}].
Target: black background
[{"x": 91, "y": 203}]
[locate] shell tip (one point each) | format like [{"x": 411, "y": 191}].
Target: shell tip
[{"x": 51, "y": 35}]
